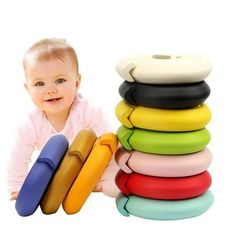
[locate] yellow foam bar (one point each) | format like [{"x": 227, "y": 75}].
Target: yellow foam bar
[{"x": 91, "y": 173}]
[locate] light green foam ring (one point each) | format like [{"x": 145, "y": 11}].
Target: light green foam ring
[
  {"x": 164, "y": 210},
  {"x": 172, "y": 143}
]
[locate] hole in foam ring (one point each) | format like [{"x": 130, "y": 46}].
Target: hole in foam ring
[{"x": 161, "y": 56}]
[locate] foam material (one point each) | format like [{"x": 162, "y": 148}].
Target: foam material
[
  {"x": 163, "y": 142},
  {"x": 163, "y": 165},
  {"x": 40, "y": 175},
  {"x": 164, "y": 210},
  {"x": 163, "y": 119},
  {"x": 174, "y": 188},
  {"x": 91, "y": 173},
  {"x": 164, "y": 69},
  {"x": 164, "y": 96},
  {"x": 68, "y": 171}
]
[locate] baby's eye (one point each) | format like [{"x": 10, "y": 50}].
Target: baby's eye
[
  {"x": 39, "y": 84},
  {"x": 60, "y": 81}
]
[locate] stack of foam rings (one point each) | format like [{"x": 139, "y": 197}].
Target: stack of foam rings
[
  {"x": 65, "y": 175},
  {"x": 163, "y": 156}
]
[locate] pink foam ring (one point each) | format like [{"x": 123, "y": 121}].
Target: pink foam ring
[
  {"x": 164, "y": 165},
  {"x": 122, "y": 157}
]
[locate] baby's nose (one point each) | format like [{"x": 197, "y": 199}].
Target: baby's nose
[{"x": 51, "y": 90}]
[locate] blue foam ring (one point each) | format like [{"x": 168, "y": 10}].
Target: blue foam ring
[
  {"x": 164, "y": 210},
  {"x": 40, "y": 175}
]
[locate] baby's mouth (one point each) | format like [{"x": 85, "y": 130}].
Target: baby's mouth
[{"x": 53, "y": 99}]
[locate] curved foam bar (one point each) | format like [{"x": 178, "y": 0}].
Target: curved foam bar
[
  {"x": 163, "y": 188},
  {"x": 163, "y": 119},
  {"x": 68, "y": 171},
  {"x": 164, "y": 69},
  {"x": 165, "y": 96},
  {"x": 40, "y": 174},
  {"x": 163, "y": 142},
  {"x": 163, "y": 165},
  {"x": 91, "y": 173},
  {"x": 162, "y": 209}
]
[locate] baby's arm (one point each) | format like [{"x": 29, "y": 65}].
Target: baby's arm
[
  {"x": 14, "y": 196},
  {"x": 21, "y": 153},
  {"x": 107, "y": 183}
]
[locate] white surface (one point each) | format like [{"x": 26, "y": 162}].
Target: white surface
[
  {"x": 103, "y": 32},
  {"x": 164, "y": 69}
]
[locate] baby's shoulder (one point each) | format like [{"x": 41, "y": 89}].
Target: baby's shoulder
[
  {"x": 81, "y": 103},
  {"x": 33, "y": 118},
  {"x": 84, "y": 108},
  {"x": 28, "y": 126},
  {"x": 35, "y": 114}
]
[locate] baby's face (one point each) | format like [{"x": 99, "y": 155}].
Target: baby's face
[{"x": 52, "y": 85}]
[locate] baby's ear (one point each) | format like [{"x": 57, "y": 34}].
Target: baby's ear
[
  {"x": 26, "y": 87},
  {"x": 78, "y": 81}
]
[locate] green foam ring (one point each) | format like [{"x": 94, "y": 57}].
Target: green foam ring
[
  {"x": 171, "y": 143},
  {"x": 164, "y": 210}
]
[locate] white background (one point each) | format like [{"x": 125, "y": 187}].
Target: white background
[{"x": 103, "y": 32}]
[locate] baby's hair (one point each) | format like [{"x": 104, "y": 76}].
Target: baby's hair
[{"x": 51, "y": 48}]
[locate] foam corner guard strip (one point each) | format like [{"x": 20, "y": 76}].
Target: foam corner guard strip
[
  {"x": 164, "y": 69},
  {"x": 163, "y": 165},
  {"x": 164, "y": 188},
  {"x": 68, "y": 171},
  {"x": 91, "y": 173},
  {"x": 165, "y": 96},
  {"x": 163, "y": 119},
  {"x": 40, "y": 174},
  {"x": 164, "y": 209},
  {"x": 163, "y": 142}
]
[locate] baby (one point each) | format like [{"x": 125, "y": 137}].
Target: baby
[{"x": 52, "y": 81}]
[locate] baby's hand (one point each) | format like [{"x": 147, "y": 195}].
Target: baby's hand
[{"x": 14, "y": 196}]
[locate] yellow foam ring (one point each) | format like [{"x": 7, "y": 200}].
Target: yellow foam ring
[
  {"x": 68, "y": 171},
  {"x": 91, "y": 173},
  {"x": 163, "y": 119},
  {"x": 123, "y": 110}
]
